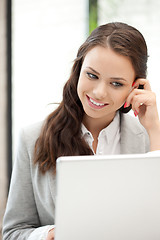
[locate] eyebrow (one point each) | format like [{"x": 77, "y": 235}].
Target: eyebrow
[
  {"x": 94, "y": 70},
  {"x": 118, "y": 78},
  {"x": 112, "y": 78}
]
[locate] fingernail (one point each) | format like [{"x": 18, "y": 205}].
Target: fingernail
[
  {"x": 125, "y": 105},
  {"x": 133, "y": 84},
  {"x": 135, "y": 113}
]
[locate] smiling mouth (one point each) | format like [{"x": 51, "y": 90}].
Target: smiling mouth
[{"x": 95, "y": 104}]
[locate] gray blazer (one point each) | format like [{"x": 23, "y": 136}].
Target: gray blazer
[{"x": 31, "y": 200}]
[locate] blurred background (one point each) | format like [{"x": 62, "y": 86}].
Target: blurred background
[{"x": 39, "y": 41}]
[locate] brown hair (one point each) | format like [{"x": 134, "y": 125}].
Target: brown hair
[{"x": 61, "y": 133}]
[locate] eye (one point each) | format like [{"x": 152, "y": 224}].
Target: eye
[
  {"x": 117, "y": 84},
  {"x": 91, "y": 76}
]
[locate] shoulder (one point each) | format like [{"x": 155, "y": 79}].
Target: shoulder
[
  {"x": 29, "y": 135},
  {"x": 32, "y": 132}
]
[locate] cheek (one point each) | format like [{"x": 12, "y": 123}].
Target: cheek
[
  {"x": 82, "y": 86},
  {"x": 121, "y": 97}
]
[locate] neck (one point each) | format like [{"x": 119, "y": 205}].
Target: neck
[{"x": 96, "y": 125}]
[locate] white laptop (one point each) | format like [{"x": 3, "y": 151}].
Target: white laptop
[{"x": 108, "y": 198}]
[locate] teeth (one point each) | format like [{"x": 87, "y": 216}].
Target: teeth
[{"x": 95, "y": 103}]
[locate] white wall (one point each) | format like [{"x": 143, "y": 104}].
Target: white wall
[{"x": 46, "y": 37}]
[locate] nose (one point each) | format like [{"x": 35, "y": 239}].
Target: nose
[{"x": 100, "y": 91}]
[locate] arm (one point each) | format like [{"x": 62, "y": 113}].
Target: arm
[
  {"x": 144, "y": 106},
  {"x": 21, "y": 220}
]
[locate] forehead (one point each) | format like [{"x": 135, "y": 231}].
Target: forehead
[{"x": 107, "y": 62}]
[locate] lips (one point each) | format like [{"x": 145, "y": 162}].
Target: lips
[{"x": 95, "y": 104}]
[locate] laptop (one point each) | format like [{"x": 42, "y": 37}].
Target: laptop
[{"x": 108, "y": 198}]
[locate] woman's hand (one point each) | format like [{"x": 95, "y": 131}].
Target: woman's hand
[
  {"x": 144, "y": 106},
  {"x": 50, "y": 235}
]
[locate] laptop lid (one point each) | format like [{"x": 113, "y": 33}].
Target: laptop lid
[{"x": 108, "y": 198}]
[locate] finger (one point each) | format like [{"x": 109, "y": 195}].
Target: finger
[
  {"x": 146, "y": 99},
  {"x": 134, "y": 93},
  {"x": 137, "y": 102},
  {"x": 142, "y": 81}
]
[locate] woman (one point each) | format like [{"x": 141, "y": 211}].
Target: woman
[{"x": 108, "y": 78}]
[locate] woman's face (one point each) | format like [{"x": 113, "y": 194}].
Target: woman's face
[{"x": 105, "y": 81}]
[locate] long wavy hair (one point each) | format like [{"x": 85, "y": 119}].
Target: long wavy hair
[{"x": 61, "y": 132}]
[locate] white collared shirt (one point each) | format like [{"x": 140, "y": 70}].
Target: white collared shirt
[{"x": 108, "y": 139}]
